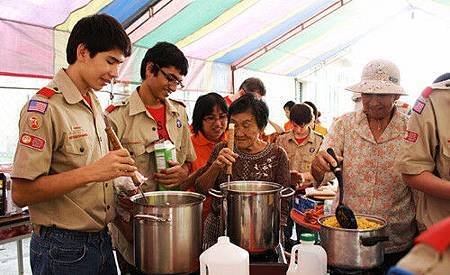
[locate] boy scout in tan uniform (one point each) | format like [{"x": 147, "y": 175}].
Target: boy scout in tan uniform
[
  {"x": 62, "y": 169},
  {"x": 138, "y": 131},
  {"x": 425, "y": 159}
]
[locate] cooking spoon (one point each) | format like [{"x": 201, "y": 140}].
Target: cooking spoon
[
  {"x": 230, "y": 146},
  {"x": 344, "y": 215}
]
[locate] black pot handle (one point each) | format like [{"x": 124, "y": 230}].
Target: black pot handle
[{"x": 371, "y": 241}]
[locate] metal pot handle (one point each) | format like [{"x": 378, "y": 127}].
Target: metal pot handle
[
  {"x": 153, "y": 218},
  {"x": 371, "y": 241},
  {"x": 292, "y": 192},
  {"x": 215, "y": 193}
]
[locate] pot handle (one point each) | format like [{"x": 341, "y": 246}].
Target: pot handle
[
  {"x": 153, "y": 218},
  {"x": 215, "y": 193},
  {"x": 371, "y": 241},
  {"x": 292, "y": 192}
]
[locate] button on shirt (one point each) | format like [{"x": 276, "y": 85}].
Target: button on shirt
[
  {"x": 71, "y": 135},
  {"x": 426, "y": 147},
  {"x": 371, "y": 185}
]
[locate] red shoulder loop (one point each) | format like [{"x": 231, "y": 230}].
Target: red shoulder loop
[
  {"x": 426, "y": 92},
  {"x": 47, "y": 92},
  {"x": 437, "y": 235},
  {"x": 110, "y": 108}
]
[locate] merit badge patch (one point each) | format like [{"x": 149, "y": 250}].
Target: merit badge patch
[
  {"x": 34, "y": 122},
  {"x": 179, "y": 124},
  {"x": 311, "y": 150},
  {"x": 418, "y": 106},
  {"x": 37, "y": 106},
  {"x": 31, "y": 141},
  {"x": 411, "y": 136}
]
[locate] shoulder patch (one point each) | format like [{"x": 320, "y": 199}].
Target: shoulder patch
[
  {"x": 32, "y": 141},
  {"x": 110, "y": 108},
  {"x": 46, "y": 92},
  {"x": 411, "y": 136},
  {"x": 419, "y": 106},
  {"x": 426, "y": 92},
  {"x": 179, "y": 102},
  {"x": 37, "y": 106}
]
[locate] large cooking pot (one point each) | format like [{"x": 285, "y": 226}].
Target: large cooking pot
[
  {"x": 167, "y": 231},
  {"x": 354, "y": 248},
  {"x": 251, "y": 213}
]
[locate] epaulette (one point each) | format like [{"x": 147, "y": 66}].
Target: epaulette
[
  {"x": 114, "y": 106},
  {"x": 179, "y": 102},
  {"x": 46, "y": 92},
  {"x": 426, "y": 92}
]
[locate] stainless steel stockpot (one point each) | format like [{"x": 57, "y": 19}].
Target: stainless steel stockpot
[
  {"x": 354, "y": 248},
  {"x": 251, "y": 213},
  {"x": 167, "y": 230}
]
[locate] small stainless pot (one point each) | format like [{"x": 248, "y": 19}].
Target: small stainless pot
[
  {"x": 354, "y": 248},
  {"x": 167, "y": 231},
  {"x": 251, "y": 213}
]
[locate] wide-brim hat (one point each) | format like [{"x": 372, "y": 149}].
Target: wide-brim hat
[{"x": 379, "y": 77}]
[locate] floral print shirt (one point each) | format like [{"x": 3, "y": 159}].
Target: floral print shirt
[{"x": 371, "y": 184}]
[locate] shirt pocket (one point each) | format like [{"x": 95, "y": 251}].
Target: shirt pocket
[
  {"x": 76, "y": 150},
  {"x": 141, "y": 157},
  {"x": 444, "y": 168}
]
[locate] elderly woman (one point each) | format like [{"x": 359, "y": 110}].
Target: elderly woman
[
  {"x": 369, "y": 140},
  {"x": 252, "y": 159}
]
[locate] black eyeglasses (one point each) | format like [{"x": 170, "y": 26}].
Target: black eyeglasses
[{"x": 170, "y": 77}]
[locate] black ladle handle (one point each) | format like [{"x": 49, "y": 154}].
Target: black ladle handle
[{"x": 338, "y": 173}]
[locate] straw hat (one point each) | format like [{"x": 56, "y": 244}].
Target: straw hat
[{"x": 379, "y": 77}]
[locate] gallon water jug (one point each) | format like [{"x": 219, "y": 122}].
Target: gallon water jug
[
  {"x": 224, "y": 258},
  {"x": 307, "y": 258}
]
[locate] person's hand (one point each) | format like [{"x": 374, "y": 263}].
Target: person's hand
[
  {"x": 173, "y": 176},
  {"x": 114, "y": 164},
  {"x": 296, "y": 178},
  {"x": 321, "y": 165},
  {"x": 226, "y": 157}
]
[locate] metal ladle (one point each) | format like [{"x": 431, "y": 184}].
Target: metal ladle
[{"x": 344, "y": 215}]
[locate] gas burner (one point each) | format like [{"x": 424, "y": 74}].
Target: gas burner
[{"x": 339, "y": 271}]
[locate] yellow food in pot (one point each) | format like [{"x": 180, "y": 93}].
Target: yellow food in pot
[{"x": 363, "y": 223}]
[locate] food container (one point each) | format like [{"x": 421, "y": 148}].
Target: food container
[{"x": 354, "y": 248}]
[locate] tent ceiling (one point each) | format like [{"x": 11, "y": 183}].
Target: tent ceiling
[{"x": 282, "y": 37}]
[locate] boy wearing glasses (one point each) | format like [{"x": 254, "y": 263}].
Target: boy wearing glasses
[{"x": 147, "y": 117}]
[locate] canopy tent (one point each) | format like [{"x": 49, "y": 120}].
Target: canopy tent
[{"x": 283, "y": 37}]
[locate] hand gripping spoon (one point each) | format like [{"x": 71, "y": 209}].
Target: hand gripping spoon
[{"x": 344, "y": 215}]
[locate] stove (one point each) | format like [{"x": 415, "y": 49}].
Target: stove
[{"x": 272, "y": 262}]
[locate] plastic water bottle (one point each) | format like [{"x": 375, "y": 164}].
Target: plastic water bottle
[
  {"x": 224, "y": 258},
  {"x": 307, "y": 258}
]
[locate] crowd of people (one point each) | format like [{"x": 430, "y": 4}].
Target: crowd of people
[{"x": 395, "y": 165}]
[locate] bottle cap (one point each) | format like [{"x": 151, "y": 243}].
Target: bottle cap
[{"x": 307, "y": 237}]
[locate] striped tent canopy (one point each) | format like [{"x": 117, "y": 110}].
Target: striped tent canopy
[{"x": 283, "y": 37}]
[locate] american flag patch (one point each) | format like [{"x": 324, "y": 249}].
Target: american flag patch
[
  {"x": 418, "y": 107},
  {"x": 37, "y": 106}
]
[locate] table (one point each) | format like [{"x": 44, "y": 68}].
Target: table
[{"x": 13, "y": 221}]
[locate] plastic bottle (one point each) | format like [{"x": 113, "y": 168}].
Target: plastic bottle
[
  {"x": 224, "y": 258},
  {"x": 307, "y": 258}
]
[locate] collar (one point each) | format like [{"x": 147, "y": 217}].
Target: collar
[
  {"x": 309, "y": 139},
  {"x": 201, "y": 140},
  {"x": 137, "y": 105},
  {"x": 68, "y": 89},
  {"x": 394, "y": 129}
]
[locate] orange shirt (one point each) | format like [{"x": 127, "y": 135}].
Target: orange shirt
[
  {"x": 203, "y": 149},
  {"x": 288, "y": 126}
]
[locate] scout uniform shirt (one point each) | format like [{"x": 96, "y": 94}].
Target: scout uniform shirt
[
  {"x": 138, "y": 132},
  {"x": 59, "y": 132},
  {"x": 426, "y": 147},
  {"x": 300, "y": 155}
]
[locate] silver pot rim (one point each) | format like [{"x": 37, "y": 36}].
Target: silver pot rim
[
  {"x": 374, "y": 218},
  {"x": 200, "y": 198},
  {"x": 277, "y": 187}
]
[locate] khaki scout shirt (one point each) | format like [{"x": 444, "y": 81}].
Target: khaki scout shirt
[
  {"x": 426, "y": 147},
  {"x": 61, "y": 134},
  {"x": 300, "y": 155},
  {"x": 137, "y": 131}
]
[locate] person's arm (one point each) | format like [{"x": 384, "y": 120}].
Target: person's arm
[
  {"x": 208, "y": 178},
  {"x": 43, "y": 188},
  {"x": 277, "y": 127},
  {"x": 429, "y": 184}
]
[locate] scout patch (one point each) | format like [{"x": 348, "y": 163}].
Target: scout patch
[
  {"x": 77, "y": 136},
  {"x": 418, "y": 106},
  {"x": 311, "y": 150},
  {"x": 34, "y": 122},
  {"x": 37, "y": 106},
  {"x": 411, "y": 136},
  {"x": 31, "y": 141},
  {"x": 426, "y": 92},
  {"x": 179, "y": 124}
]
